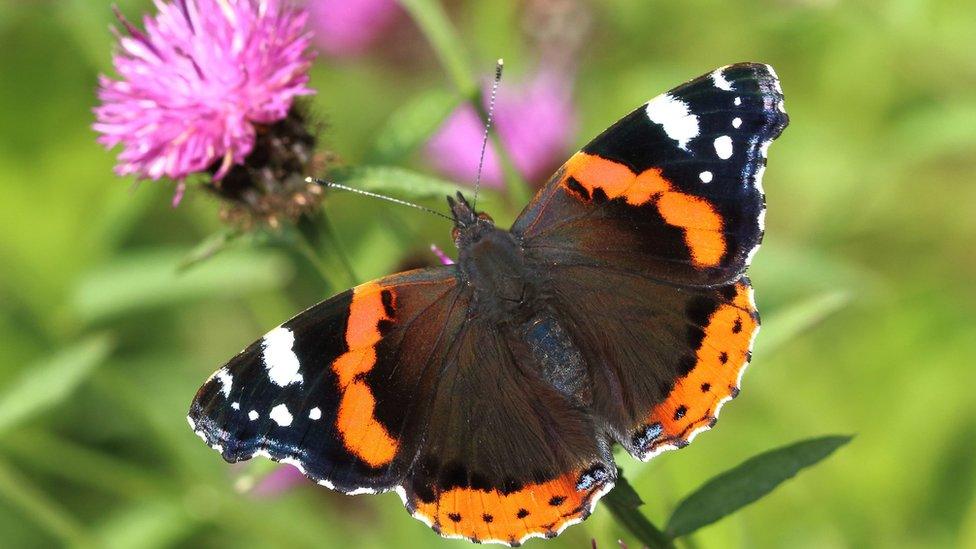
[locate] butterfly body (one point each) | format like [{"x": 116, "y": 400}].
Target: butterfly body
[
  {"x": 507, "y": 296},
  {"x": 492, "y": 263},
  {"x": 488, "y": 393}
]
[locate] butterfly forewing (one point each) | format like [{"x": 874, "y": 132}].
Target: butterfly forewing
[
  {"x": 320, "y": 392},
  {"x": 673, "y": 190}
]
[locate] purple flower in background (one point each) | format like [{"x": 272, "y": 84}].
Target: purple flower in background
[
  {"x": 194, "y": 86},
  {"x": 349, "y": 27},
  {"x": 535, "y": 123},
  {"x": 282, "y": 479}
]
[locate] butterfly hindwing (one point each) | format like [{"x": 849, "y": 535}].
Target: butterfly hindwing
[
  {"x": 507, "y": 455},
  {"x": 662, "y": 359},
  {"x": 671, "y": 191}
]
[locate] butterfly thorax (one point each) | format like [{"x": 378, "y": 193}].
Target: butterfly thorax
[{"x": 490, "y": 261}]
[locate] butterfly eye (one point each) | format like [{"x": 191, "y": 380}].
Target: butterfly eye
[
  {"x": 455, "y": 233},
  {"x": 486, "y": 217}
]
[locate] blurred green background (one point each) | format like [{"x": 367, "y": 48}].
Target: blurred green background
[{"x": 865, "y": 281}]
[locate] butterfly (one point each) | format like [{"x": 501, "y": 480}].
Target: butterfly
[{"x": 488, "y": 393}]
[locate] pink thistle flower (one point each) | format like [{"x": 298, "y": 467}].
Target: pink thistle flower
[
  {"x": 535, "y": 123},
  {"x": 345, "y": 28},
  {"x": 194, "y": 86}
]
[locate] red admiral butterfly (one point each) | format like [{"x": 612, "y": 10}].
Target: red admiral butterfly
[{"x": 488, "y": 393}]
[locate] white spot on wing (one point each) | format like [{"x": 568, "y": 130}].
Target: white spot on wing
[
  {"x": 720, "y": 81},
  {"x": 235, "y": 405},
  {"x": 226, "y": 381},
  {"x": 706, "y": 177},
  {"x": 736, "y": 122},
  {"x": 723, "y": 147},
  {"x": 315, "y": 413},
  {"x": 281, "y": 415},
  {"x": 674, "y": 116},
  {"x": 737, "y": 101},
  {"x": 279, "y": 359},
  {"x": 253, "y": 415}
]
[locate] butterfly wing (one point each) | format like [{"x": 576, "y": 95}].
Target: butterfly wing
[
  {"x": 641, "y": 240},
  {"x": 673, "y": 190},
  {"x": 507, "y": 456},
  {"x": 662, "y": 359},
  {"x": 398, "y": 385},
  {"x": 321, "y": 391}
]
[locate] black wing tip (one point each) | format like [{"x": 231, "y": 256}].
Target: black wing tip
[
  {"x": 770, "y": 85},
  {"x": 234, "y": 450},
  {"x": 213, "y": 436},
  {"x": 747, "y": 78},
  {"x": 231, "y": 448},
  {"x": 761, "y": 72}
]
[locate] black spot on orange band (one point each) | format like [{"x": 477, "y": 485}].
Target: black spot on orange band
[
  {"x": 536, "y": 509},
  {"x": 721, "y": 354}
]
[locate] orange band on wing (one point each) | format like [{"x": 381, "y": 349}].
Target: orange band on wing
[
  {"x": 693, "y": 403},
  {"x": 535, "y": 510},
  {"x": 361, "y": 433},
  {"x": 701, "y": 223}
]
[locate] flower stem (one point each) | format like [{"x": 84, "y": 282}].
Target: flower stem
[
  {"x": 430, "y": 17},
  {"x": 443, "y": 37},
  {"x": 308, "y": 250},
  {"x": 328, "y": 230},
  {"x": 623, "y": 503}
]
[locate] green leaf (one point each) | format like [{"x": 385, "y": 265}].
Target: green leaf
[
  {"x": 412, "y": 124},
  {"x": 148, "y": 523},
  {"x": 143, "y": 280},
  {"x": 793, "y": 320},
  {"x": 623, "y": 503},
  {"x": 38, "y": 507},
  {"x": 398, "y": 182},
  {"x": 44, "y": 452},
  {"x": 752, "y": 479},
  {"x": 47, "y": 383}
]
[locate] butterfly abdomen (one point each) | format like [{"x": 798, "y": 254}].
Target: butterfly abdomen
[{"x": 558, "y": 359}]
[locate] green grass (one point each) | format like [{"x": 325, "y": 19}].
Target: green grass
[{"x": 865, "y": 282}]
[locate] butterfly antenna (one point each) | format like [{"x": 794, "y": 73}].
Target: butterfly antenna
[
  {"x": 342, "y": 187},
  {"x": 488, "y": 120}
]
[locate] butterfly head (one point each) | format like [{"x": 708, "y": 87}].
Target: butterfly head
[{"x": 468, "y": 224}]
